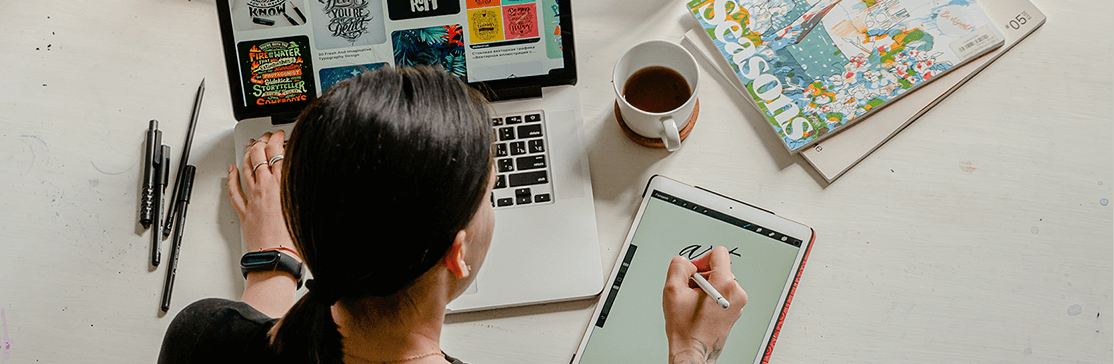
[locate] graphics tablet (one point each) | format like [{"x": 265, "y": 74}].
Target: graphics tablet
[{"x": 768, "y": 253}]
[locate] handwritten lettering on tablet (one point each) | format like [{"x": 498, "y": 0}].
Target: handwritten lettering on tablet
[{"x": 696, "y": 250}]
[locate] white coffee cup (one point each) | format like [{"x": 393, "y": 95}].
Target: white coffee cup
[{"x": 664, "y": 125}]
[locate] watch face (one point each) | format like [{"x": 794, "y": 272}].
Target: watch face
[{"x": 265, "y": 258}]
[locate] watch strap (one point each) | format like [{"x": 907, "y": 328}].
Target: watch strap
[{"x": 271, "y": 260}]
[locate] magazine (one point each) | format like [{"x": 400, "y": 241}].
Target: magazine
[{"x": 814, "y": 67}]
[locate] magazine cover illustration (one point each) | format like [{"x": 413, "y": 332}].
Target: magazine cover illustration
[{"x": 815, "y": 66}]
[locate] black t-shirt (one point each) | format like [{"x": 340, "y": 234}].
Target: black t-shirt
[{"x": 216, "y": 330}]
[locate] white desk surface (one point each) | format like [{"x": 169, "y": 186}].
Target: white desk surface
[{"x": 982, "y": 233}]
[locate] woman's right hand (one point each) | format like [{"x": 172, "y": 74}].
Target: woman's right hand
[{"x": 695, "y": 325}]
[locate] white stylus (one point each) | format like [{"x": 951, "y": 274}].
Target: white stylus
[{"x": 711, "y": 291}]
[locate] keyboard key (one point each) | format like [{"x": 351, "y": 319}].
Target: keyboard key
[
  {"x": 530, "y": 131},
  {"x": 528, "y": 178},
  {"x": 536, "y": 146},
  {"x": 531, "y": 162},
  {"x": 506, "y": 134},
  {"x": 522, "y": 196},
  {"x": 518, "y": 148},
  {"x": 520, "y": 158},
  {"x": 506, "y": 165},
  {"x": 505, "y": 202}
]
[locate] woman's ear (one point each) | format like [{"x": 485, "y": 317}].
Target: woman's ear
[{"x": 454, "y": 258}]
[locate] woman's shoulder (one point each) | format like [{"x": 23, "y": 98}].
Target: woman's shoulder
[
  {"x": 215, "y": 326},
  {"x": 219, "y": 309}
]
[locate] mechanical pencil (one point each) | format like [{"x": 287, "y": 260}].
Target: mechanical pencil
[
  {"x": 150, "y": 149},
  {"x": 184, "y": 162}
]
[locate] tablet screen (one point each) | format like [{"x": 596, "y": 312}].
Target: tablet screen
[{"x": 631, "y": 327}]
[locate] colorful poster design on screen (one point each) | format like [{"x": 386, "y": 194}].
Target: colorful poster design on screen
[
  {"x": 347, "y": 23},
  {"x": 332, "y": 76},
  {"x": 267, "y": 14},
  {"x": 413, "y": 9},
  {"x": 276, "y": 71},
  {"x": 439, "y": 45},
  {"x": 485, "y": 25},
  {"x": 520, "y": 21},
  {"x": 472, "y": 4},
  {"x": 552, "y": 19}
]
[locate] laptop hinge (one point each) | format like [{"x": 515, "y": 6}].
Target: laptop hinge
[
  {"x": 284, "y": 117},
  {"x": 513, "y": 93}
]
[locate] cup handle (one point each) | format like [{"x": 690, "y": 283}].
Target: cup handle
[{"x": 669, "y": 134}]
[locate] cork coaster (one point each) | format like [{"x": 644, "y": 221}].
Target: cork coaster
[{"x": 655, "y": 142}]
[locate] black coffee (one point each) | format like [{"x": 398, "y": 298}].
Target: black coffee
[{"x": 656, "y": 89}]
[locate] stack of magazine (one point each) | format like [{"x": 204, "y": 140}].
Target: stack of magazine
[{"x": 814, "y": 68}]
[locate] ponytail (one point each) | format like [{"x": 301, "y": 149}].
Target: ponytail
[
  {"x": 415, "y": 139},
  {"x": 307, "y": 333}
]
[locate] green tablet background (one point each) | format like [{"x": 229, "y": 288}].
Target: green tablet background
[{"x": 633, "y": 330}]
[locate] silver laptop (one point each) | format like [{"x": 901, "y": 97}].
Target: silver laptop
[{"x": 520, "y": 53}]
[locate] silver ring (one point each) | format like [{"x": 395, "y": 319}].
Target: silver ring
[
  {"x": 257, "y": 166},
  {"x": 274, "y": 159}
]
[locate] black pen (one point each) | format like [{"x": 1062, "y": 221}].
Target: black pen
[
  {"x": 183, "y": 194},
  {"x": 289, "y": 19},
  {"x": 299, "y": 12},
  {"x": 163, "y": 174},
  {"x": 149, "y": 151},
  {"x": 184, "y": 162}
]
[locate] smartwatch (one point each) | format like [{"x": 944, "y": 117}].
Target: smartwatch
[{"x": 271, "y": 260}]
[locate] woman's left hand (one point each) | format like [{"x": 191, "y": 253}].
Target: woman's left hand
[
  {"x": 260, "y": 209},
  {"x": 257, "y": 203}
]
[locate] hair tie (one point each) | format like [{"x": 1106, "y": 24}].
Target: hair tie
[{"x": 322, "y": 292}]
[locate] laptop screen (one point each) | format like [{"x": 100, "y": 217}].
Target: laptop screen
[{"x": 281, "y": 54}]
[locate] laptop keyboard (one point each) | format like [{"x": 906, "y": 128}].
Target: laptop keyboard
[{"x": 523, "y": 175}]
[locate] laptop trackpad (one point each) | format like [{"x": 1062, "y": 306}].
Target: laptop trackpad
[{"x": 568, "y": 170}]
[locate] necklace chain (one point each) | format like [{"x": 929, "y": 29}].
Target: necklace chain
[{"x": 409, "y": 358}]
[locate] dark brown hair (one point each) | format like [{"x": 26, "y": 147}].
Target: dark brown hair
[{"x": 380, "y": 173}]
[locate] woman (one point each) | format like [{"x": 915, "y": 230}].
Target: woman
[{"x": 385, "y": 187}]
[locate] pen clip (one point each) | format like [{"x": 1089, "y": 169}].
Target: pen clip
[
  {"x": 165, "y": 168},
  {"x": 186, "y": 186}
]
